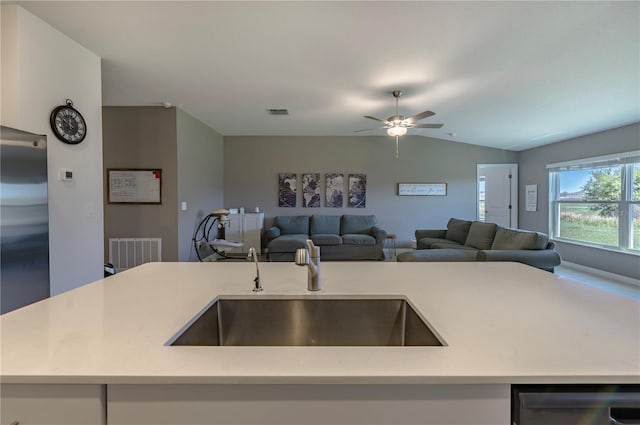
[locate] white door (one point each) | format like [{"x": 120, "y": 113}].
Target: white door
[{"x": 498, "y": 194}]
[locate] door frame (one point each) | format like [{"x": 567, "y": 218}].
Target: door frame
[{"x": 514, "y": 190}]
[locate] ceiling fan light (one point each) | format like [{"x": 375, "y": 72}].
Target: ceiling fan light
[{"x": 397, "y": 131}]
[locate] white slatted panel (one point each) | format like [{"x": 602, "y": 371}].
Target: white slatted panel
[{"x": 125, "y": 253}]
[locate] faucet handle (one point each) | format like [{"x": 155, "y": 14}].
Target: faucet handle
[
  {"x": 314, "y": 251},
  {"x": 311, "y": 246},
  {"x": 302, "y": 256}
]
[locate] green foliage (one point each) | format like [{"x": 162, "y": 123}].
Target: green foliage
[
  {"x": 584, "y": 226},
  {"x": 597, "y": 222},
  {"x": 581, "y": 224},
  {"x": 604, "y": 184}
]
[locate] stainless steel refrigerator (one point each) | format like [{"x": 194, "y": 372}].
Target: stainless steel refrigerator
[{"x": 24, "y": 219}]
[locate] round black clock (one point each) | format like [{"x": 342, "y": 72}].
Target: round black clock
[{"x": 68, "y": 124}]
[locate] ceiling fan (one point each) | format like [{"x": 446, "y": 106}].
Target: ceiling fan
[{"x": 397, "y": 124}]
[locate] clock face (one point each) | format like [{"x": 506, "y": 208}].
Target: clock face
[{"x": 68, "y": 125}]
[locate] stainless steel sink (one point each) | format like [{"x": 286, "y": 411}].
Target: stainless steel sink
[{"x": 307, "y": 322}]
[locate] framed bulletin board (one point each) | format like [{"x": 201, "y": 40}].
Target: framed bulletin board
[
  {"x": 134, "y": 186},
  {"x": 422, "y": 189}
]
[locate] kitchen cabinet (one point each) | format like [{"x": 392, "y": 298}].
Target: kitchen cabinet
[
  {"x": 41, "y": 404},
  {"x": 245, "y": 228},
  {"x": 308, "y": 404}
]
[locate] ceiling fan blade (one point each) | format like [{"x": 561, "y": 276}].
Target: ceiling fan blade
[
  {"x": 368, "y": 129},
  {"x": 375, "y": 119},
  {"x": 421, "y": 115},
  {"x": 425, "y": 125}
]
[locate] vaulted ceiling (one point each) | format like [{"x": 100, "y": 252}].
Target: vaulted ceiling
[{"x": 511, "y": 75}]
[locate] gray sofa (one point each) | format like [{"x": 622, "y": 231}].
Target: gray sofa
[
  {"x": 345, "y": 237},
  {"x": 465, "y": 240}
]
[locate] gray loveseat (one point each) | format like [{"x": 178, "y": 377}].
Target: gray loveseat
[
  {"x": 464, "y": 240},
  {"x": 345, "y": 237}
]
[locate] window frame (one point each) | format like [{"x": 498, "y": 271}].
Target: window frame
[{"x": 629, "y": 163}]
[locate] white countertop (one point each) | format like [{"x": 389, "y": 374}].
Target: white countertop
[{"x": 502, "y": 323}]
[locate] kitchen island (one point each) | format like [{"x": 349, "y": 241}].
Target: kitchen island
[{"x": 501, "y": 323}]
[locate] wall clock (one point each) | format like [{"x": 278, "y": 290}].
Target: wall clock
[{"x": 68, "y": 124}]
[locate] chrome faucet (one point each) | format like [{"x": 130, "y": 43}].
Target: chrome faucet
[
  {"x": 252, "y": 253},
  {"x": 310, "y": 257}
]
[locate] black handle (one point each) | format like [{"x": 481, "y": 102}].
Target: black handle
[{"x": 624, "y": 416}]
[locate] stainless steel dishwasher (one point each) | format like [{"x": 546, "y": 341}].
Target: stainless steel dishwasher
[{"x": 575, "y": 404}]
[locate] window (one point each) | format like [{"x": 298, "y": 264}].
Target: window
[{"x": 596, "y": 201}]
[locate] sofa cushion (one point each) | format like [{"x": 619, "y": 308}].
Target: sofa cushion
[
  {"x": 445, "y": 255},
  {"x": 450, "y": 245},
  {"x": 292, "y": 225},
  {"x": 542, "y": 242},
  {"x": 430, "y": 233},
  {"x": 426, "y": 243},
  {"x": 357, "y": 224},
  {"x": 326, "y": 239},
  {"x": 288, "y": 243},
  {"x": 457, "y": 230},
  {"x": 355, "y": 239},
  {"x": 271, "y": 233},
  {"x": 481, "y": 235},
  {"x": 325, "y": 224},
  {"x": 518, "y": 239}
]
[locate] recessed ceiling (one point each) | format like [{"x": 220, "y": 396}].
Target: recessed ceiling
[{"x": 511, "y": 75}]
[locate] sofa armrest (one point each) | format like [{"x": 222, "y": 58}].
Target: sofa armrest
[
  {"x": 270, "y": 234},
  {"x": 430, "y": 233},
  {"x": 379, "y": 234},
  {"x": 545, "y": 259}
]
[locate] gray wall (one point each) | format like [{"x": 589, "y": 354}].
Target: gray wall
[
  {"x": 532, "y": 170},
  {"x": 200, "y": 174},
  {"x": 252, "y": 164},
  {"x": 142, "y": 137}
]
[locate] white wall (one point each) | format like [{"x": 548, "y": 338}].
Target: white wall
[
  {"x": 9, "y": 64},
  {"x": 47, "y": 68}
]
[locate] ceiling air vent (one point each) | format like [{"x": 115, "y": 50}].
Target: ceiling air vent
[{"x": 278, "y": 111}]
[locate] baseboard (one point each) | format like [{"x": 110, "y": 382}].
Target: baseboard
[{"x": 601, "y": 273}]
